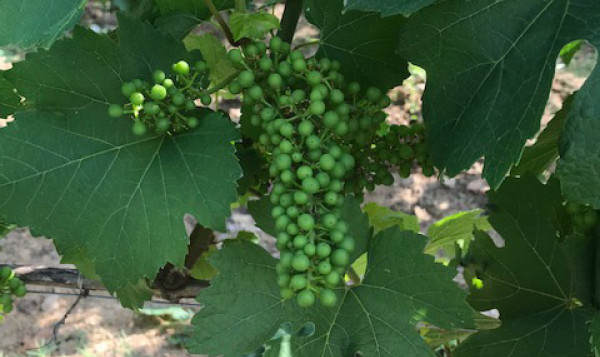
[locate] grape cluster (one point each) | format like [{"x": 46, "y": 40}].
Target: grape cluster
[
  {"x": 9, "y": 286},
  {"x": 584, "y": 217},
  {"x": 310, "y": 123},
  {"x": 164, "y": 106}
]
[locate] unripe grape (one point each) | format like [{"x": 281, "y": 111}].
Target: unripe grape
[
  {"x": 306, "y": 298},
  {"x": 287, "y": 130},
  {"x": 298, "y": 282},
  {"x": 5, "y": 273},
  {"x": 286, "y": 200},
  {"x": 127, "y": 89},
  {"x": 277, "y": 211},
  {"x": 313, "y": 142},
  {"x": 348, "y": 244},
  {"x": 235, "y": 56},
  {"x": 301, "y": 198},
  {"x": 373, "y": 94},
  {"x": 200, "y": 66},
  {"x": 287, "y": 176},
  {"x": 324, "y": 267},
  {"x": 168, "y": 83},
  {"x": 333, "y": 278},
  {"x": 287, "y": 293},
  {"x": 310, "y": 249},
  {"x": 284, "y": 69},
  {"x": 292, "y": 229},
  {"x": 323, "y": 250},
  {"x": 246, "y": 79},
  {"x": 330, "y": 199},
  {"x": 205, "y": 99},
  {"x": 178, "y": 99},
  {"x": 328, "y": 298},
  {"x": 304, "y": 172},
  {"x": 305, "y": 128},
  {"x": 313, "y": 78},
  {"x": 323, "y": 179},
  {"x": 265, "y": 64},
  {"x": 301, "y": 263},
  {"x": 285, "y": 259},
  {"x": 317, "y": 107},
  {"x": 336, "y": 96},
  {"x": 275, "y": 81},
  {"x": 327, "y": 162},
  {"x": 151, "y": 108},
  {"x": 310, "y": 185},
  {"x": 306, "y": 222},
  {"x": 181, "y": 68},
  {"x": 139, "y": 128},
  {"x": 331, "y": 119},
  {"x": 137, "y": 98},
  {"x": 340, "y": 257},
  {"x": 283, "y": 280},
  {"x": 275, "y": 44},
  {"x": 158, "y": 76},
  {"x": 115, "y": 110},
  {"x": 299, "y": 65}
]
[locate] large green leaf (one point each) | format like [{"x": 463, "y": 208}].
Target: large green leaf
[
  {"x": 402, "y": 287},
  {"x": 490, "y": 65},
  {"x": 538, "y": 157},
  {"x": 252, "y": 25},
  {"x": 32, "y": 23},
  {"x": 381, "y": 218},
  {"x": 363, "y": 42},
  {"x": 9, "y": 100},
  {"x": 580, "y": 163},
  {"x": 358, "y": 225},
  {"x": 110, "y": 199},
  {"x": 388, "y": 7},
  {"x": 541, "y": 285},
  {"x": 242, "y": 306}
]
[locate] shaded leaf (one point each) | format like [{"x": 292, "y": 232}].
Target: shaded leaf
[
  {"x": 363, "y": 43},
  {"x": 455, "y": 229},
  {"x": 490, "y": 66},
  {"x": 214, "y": 54},
  {"x": 541, "y": 287},
  {"x": 9, "y": 100},
  {"x": 32, "y": 23}
]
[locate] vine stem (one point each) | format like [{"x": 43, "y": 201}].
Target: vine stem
[
  {"x": 309, "y": 43},
  {"x": 213, "y": 10},
  {"x": 353, "y": 275},
  {"x": 289, "y": 20}
]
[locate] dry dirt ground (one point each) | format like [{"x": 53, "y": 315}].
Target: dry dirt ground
[{"x": 100, "y": 327}]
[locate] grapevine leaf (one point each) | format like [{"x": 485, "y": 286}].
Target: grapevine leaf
[
  {"x": 455, "y": 229},
  {"x": 177, "y": 24},
  {"x": 253, "y": 165},
  {"x": 538, "y": 157},
  {"x": 252, "y": 25},
  {"x": 90, "y": 193},
  {"x": 242, "y": 301},
  {"x": 490, "y": 65},
  {"x": 358, "y": 225},
  {"x": 363, "y": 43},
  {"x": 579, "y": 163},
  {"x": 382, "y": 218},
  {"x": 5, "y": 227},
  {"x": 541, "y": 285},
  {"x": 32, "y": 23},
  {"x": 388, "y": 7},
  {"x": 202, "y": 269},
  {"x": 9, "y": 100},
  {"x": 398, "y": 275},
  {"x": 260, "y": 210},
  {"x": 133, "y": 296},
  {"x": 214, "y": 54},
  {"x": 116, "y": 199}
]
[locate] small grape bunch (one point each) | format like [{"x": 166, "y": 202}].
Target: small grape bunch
[
  {"x": 164, "y": 105},
  {"x": 585, "y": 218},
  {"x": 10, "y": 287}
]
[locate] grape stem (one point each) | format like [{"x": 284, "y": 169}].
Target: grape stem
[
  {"x": 213, "y": 10},
  {"x": 289, "y": 20},
  {"x": 353, "y": 275}
]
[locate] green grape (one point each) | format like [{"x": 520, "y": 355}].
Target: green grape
[
  {"x": 336, "y": 96},
  {"x": 299, "y": 65},
  {"x": 329, "y": 221},
  {"x": 286, "y": 147},
  {"x": 353, "y": 88},
  {"x": 337, "y": 236},
  {"x": 20, "y": 291},
  {"x": 323, "y": 250},
  {"x": 127, "y": 89},
  {"x": 327, "y": 162},
  {"x": 139, "y": 128},
  {"x": 331, "y": 119},
  {"x": 277, "y": 211},
  {"x": 292, "y": 229},
  {"x": 331, "y": 199},
  {"x": 246, "y": 79},
  {"x": 306, "y": 222},
  {"x": 590, "y": 218},
  {"x": 287, "y": 293},
  {"x": 323, "y": 179},
  {"x": 306, "y": 298},
  {"x": 151, "y": 108},
  {"x": 305, "y": 128},
  {"x": 235, "y": 56},
  {"x": 265, "y": 64},
  {"x": 284, "y": 69},
  {"x": 115, "y": 110},
  {"x": 139, "y": 84},
  {"x": 8, "y": 307},
  {"x": 162, "y": 124},
  {"x": 193, "y": 122},
  {"x": 137, "y": 98},
  {"x": 324, "y": 267},
  {"x": 340, "y": 257},
  {"x": 275, "y": 81},
  {"x": 287, "y": 177},
  {"x": 304, "y": 172},
  {"x": 158, "y": 76},
  {"x": 333, "y": 278},
  {"x": 283, "y": 280},
  {"x": 255, "y": 93},
  {"x": 310, "y": 249},
  {"x": 300, "y": 263},
  {"x": 328, "y": 298},
  {"x": 313, "y": 142},
  {"x": 205, "y": 99},
  {"x": 178, "y": 99},
  {"x": 5, "y": 273},
  {"x": 348, "y": 244},
  {"x": 5, "y": 299},
  {"x": 168, "y": 83},
  {"x": 275, "y": 44},
  {"x": 250, "y": 50},
  {"x": 317, "y": 107},
  {"x": 301, "y": 198},
  {"x": 298, "y": 282},
  {"x": 313, "y": 78},
  {"x": 235, "y": 87},
  {"x": 182, "y": 68},
  {"x": 310, "y": 185}
]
